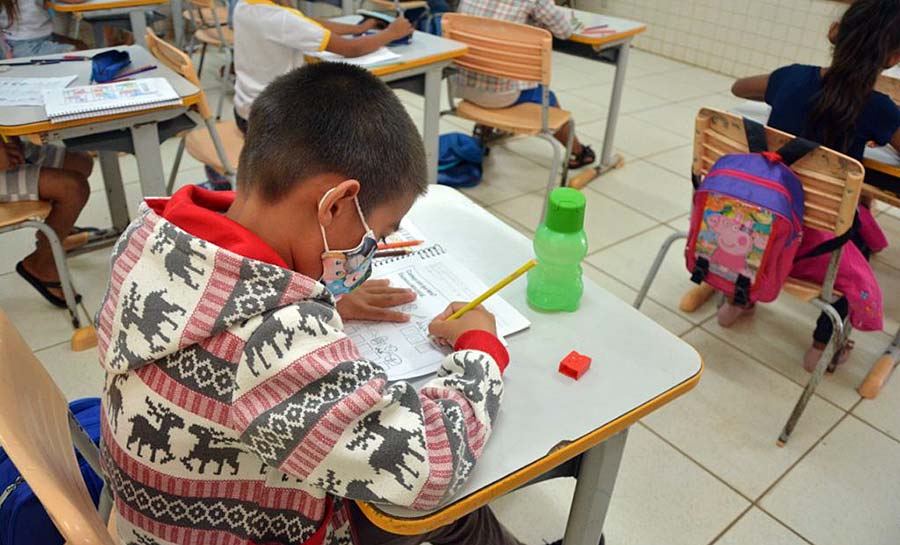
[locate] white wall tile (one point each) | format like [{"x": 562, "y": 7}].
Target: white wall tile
[{"x": 734, "y": 37}]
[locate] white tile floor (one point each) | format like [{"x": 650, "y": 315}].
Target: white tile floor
[{"x": 704, "y": 469}]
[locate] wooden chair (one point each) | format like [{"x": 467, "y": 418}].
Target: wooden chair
[
  {"x": 206, "y": 145},
  {"x": 31, "y": 214},
  {"x": 519, "y": 52},
  {"x": 832, "y": 185},
  {"x": 38, "y": 433},
  {"x": 211, "y": 29}
]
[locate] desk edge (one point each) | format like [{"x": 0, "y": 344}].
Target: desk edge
[
  {"x": 438, "y": 519},
  {"x": 600, "y": 40},
  {"x": 99, "y": 6},
  {"x": 386, "y": 69},
  {"x": 46, "y": 126}
]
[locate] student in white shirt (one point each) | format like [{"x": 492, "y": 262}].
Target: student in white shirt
[
  {"x": 271, "y": 38},
  {"x": 26, "y": 30}
]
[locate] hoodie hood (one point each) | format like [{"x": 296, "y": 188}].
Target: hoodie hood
[{"x": 170, "y": 289}]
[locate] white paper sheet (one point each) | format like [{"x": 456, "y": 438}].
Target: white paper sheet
[
  {"x": 29, "y": 91},
  {"x": 405, "y": 350},
  {"x": 382, "y": 55}
]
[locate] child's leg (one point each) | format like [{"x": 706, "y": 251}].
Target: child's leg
[
  {"x": 68, "y": 192},
  {"x": 822, "y": 335},
  {"x": 82, "y": 163},
  {"x": 478, "y": 528}
]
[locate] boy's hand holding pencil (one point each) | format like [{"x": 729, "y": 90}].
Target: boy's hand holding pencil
[{"x": 446, "y": 331}]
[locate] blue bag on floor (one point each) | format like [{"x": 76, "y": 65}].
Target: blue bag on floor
[
  {"x": 23, "y": 520},
  {"x": 459, "y": 160}
]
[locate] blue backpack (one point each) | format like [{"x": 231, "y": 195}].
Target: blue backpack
[
  {"x": 459, "y": 161},
  {"x": 23, "y": 520}
]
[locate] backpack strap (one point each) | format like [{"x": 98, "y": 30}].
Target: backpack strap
[
  {"x": 831, "y": 245},
  {"x": 796, "y": 149},
  {"x": 701, "y": 269},
  {"x": 741, "y": 291},
  {"x": 756, "y": 136}
]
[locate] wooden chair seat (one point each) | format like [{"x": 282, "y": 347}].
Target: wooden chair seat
[
  {"x": 402, "y": 4},
  {"x": 199, "y": 145},
  {"x": 210, "y": 36},
  {"x": 12, "y": 213},
  {"x": 205, "y": 16},
  {"x": 804, "y": 290},
  {"x": 522, "y": 119}
]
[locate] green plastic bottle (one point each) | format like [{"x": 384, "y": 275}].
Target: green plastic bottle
[{"x": 560, "y": 245}]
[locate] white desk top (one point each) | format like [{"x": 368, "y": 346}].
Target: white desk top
[
  {"x": 422, "y": 47},
  {"x": 623, "y": 27},
  {"x": 11, "y": 116},
  {"x": 760, "y": 111},
  {"x": 635, "y": 360}
]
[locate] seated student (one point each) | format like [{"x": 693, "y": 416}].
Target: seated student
[
  {"x": 236, "y": 410},
  {"x": 48, "y": 173},
  {"x": 26, "y": 30},
  {"x": 271, "y": 38},
  {"x": 491, "y": 92},
  {"x": 838, "y": 106}
]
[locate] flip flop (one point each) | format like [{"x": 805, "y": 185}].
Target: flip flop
[
  {"x": 44, "y": 287},
  {"x": 585, "y": 158}
]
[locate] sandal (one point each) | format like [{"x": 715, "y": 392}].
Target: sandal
[
  {"x": 585, "y": 158},
  {"x": 44, "y": 287}
]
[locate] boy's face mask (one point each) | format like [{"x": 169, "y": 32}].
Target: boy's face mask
[{"x": 344, "y": 270}]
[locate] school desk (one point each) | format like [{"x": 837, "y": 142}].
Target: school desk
[
  {"x": 609, "y": 43},
  {"x": 549, "y": 424},
  {"x": 142, "y": 125},
  {"x": 419, "y": 69},
  {"x": 135, "y": 10}
]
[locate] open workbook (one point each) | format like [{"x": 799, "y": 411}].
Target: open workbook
[
  {"x": 405, "y": 350},
  {"x": 85, "y": 101}
]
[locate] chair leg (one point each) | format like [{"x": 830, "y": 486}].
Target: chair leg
[
  {"x": 570, "y": 142},
  {"x": 202, "y": 58},
  {"x": 654, "y": 268},
  {"x": 62, "y": 269},
  {"x": 220, "y": 151},
  {"x": 172, "y": 175},
  {"x": 837, "y": 338},
  {"x": 839, "y": 351},
  {"x": 554, "y": 167}
]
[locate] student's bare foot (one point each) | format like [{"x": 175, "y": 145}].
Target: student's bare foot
[
  {"x": 729, "y": 313},
  {"x": 814, "y": 354}
]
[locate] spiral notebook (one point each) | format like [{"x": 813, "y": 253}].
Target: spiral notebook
[{"x": 108, "y": 98}]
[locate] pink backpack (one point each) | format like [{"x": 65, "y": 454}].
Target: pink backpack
[{"x": 747, "y": 220}]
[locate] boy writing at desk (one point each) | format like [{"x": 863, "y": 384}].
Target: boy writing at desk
[{"x": 236, "y": 411}]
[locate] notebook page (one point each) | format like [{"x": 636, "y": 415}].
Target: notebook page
[{"x": 102, "y": 98}]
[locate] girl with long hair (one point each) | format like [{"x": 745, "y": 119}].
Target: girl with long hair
[{"x": 838, "y": 107}]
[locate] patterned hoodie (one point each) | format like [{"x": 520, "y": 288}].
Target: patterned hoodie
[{"x": 237, "y": 412}]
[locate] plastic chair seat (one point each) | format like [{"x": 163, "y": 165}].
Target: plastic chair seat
[
  {"x": 12, "y": 213},
  {"x": 210, "y": 36},
  {"x": 518, "y": 119},
  {"x": 199, "y": 145},
  {"x": 205, "y": 16}
]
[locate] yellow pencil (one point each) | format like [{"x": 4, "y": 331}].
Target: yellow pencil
[
  {"x": 497, "y": 287},
  {"x": 5, "y": 139}
]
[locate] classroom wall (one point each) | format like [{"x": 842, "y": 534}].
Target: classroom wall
[{"x": 734, "y": 37}]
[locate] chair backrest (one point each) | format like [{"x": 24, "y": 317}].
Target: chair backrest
[
  {"x": 34, "y": 431},
  {"x": 832, "y": 181},
  {"x": 501, "y": 48},
  {"x": 178, "y": 61}
]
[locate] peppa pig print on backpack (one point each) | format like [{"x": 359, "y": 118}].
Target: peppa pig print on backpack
[{"x": 747, "y": 219}]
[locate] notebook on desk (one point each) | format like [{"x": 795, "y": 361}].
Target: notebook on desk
[{"x": 108, "y": 98}]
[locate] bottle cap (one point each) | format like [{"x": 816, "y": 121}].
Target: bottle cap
[{"x": 565, "y": 210}]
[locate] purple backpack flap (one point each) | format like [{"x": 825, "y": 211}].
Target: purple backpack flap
[{"x": 747, "y": 220}]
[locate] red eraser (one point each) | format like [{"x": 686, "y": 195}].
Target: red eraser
[{"x": 575, "y": 365}]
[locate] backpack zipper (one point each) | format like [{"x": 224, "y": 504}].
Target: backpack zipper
[{"x": 762, "y": 181}]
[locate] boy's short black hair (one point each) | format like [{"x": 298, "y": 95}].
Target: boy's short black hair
[{"x": 332, "y": 118}]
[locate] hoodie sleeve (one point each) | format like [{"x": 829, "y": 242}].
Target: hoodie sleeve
[{"x": 307, "y": 404}]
